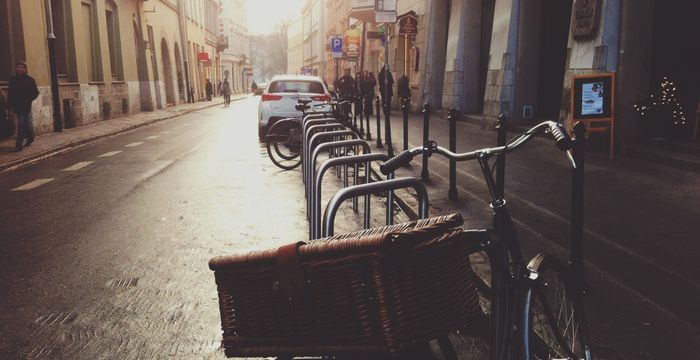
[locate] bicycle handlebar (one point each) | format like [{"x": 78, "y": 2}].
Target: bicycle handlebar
[{"x": 555, "y": 130}]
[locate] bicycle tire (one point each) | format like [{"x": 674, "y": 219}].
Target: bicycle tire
[
  {"x": 283, "y": 142},
  {"x": 554, "y": 319}
]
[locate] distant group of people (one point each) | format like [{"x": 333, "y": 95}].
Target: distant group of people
[{"x": 362, "y": 88}]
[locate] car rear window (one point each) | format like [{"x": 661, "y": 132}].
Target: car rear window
[{"x": 292, "y": 86}]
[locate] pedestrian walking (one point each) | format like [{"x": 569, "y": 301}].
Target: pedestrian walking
[
  {"x": 226, "y": 91},
  {"x": 21, "y": 92},
  {"x": 369, "y": 83},
  {"x": 209, "y": 88}
]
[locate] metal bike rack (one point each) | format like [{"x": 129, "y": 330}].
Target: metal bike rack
[
  {"x": 316, "y": 139},
  {"x": 371, "y": 188},
  {"x": 309, "y": 132},
  {"x": 330, "y": 146},
  {"x": 313, "y": 175},
  {"x": 365, "y": 159}
]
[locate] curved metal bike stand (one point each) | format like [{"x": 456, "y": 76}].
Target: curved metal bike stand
[
  {"x": 365, "y": 189},
  {"x": 310, "y": 131},
  {"x": 312, "y": 163},
  {"x": 308, "y": 123},
  {"x": 356, "y": 159},
  {"x": 316, "y": 139}
]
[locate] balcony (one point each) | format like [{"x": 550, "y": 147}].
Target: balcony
[{"x": 362, "y": 10}]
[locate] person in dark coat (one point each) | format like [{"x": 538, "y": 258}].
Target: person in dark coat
[
  {"x": 389, "y": 82},
  {"x": 359, "y": 95},
  {"x": 386, "y": 80},
  {"x": 369, "y": 83},
  {"x": 21, "y": 92},
  {"x": 209, "y": 88},
  {"x": 346, "y": 85}
]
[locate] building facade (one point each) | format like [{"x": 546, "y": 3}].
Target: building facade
[
  {"x": 235, "y": 59},
  {"x": 516, "y": 57},
  {"x": 295, "y": 46},
  {"x": 113, "y": 57}
]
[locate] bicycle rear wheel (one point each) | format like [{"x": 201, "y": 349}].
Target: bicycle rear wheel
[
  {"x": 554, "y": 321},
  {"x": 283, "y": 142}
]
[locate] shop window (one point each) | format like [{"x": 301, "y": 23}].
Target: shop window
[
  {"x": 90, "y": 41},
  {"x": 11, "y": 39},
  {"x": 115, "y": 56}
]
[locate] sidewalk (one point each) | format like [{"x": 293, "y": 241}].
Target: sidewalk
[
  {"x": 640, "y": 236},
  {"x": 57, "y": 142}
]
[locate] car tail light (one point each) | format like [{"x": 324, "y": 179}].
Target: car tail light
[
  {"x": 324, "y": 97},
  {"x": 270, "y": 97}
]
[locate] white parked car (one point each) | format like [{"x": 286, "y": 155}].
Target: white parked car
[{"x": 281, "y": 95}]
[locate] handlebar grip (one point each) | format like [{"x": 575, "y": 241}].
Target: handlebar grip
[
  {"x": 402, "y": 159},
  {"x": 561, "y": 138}
]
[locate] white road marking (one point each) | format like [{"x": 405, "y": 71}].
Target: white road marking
[
  {"x": 78, "y": 166},
  {"x": 165, "y": 131},
  {"x": 135, "y": 144},
  {"x": 111, "y": 153},
  {"x": 152, "y": 137},
  {"x": 34, "y": 184}
]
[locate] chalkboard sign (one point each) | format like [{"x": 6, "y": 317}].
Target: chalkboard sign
[{"x": 592, "y": 96}]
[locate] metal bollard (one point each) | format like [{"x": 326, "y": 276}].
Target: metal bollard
[
  {"x": 387, "y": 127},
  {"x": 404, "y": 108},
  {"x": 452, "y": 120},
  {"x": 379, "y": 127},
  {"x": 368, "y": 106},
  {"x": 359, "y": 109},
  {"x": 426, "y": 115},
  {"x": 577, "y": 189},
  {"x": 501, "y": 159}
]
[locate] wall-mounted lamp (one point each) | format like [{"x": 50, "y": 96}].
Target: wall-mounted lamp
[{"x": 146, "y": 44}]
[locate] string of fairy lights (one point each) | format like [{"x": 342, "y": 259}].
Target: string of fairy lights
[{"x": 665, "y": 96}]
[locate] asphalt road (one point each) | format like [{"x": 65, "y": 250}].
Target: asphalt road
[{"x": 105, "y": 248}]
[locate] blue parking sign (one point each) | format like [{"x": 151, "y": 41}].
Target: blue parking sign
[{"x": 337, "y": 45}]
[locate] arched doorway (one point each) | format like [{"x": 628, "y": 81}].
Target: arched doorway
[
  {"x": 180, "y": 75},
  {"x": 142, "y": 71},
  {"x": 167, "y": 73},
  {"x": 675, "y": 56},
  {"x": 542, "y": 48}
]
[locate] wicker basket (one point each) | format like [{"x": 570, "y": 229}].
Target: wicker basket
[{"x": 376, "y": 291}]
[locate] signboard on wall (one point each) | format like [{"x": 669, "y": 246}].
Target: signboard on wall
[
  {"x": 586, "y": 19},
  {"x": 203, "y": 56},
  {"x": 352, "y": 41}
]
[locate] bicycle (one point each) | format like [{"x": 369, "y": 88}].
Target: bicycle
[
  {"x": 284, "y": 138},
  {"x": 536, "y": 307}
]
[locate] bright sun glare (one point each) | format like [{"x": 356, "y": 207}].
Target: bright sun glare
[{"x": 263, "y": 15}]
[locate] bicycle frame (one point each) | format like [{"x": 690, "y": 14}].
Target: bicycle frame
[{"x": 511, "y": 279}]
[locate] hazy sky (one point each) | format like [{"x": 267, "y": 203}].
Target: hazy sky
[{"x": 264, "y": 14}]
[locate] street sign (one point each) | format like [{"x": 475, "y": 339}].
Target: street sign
[
  {"x": 337, "y": 47},
  {"x": 385, "y": 16},
  {"x": 408, "y": 24},
  {"x": 385, "y": 11}
]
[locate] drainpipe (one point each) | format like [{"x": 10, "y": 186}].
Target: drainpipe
[
  {"x": 514, "y": 44},
  {"x": 57, "y": 125},
  {"x": 183, "y": 49}
]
